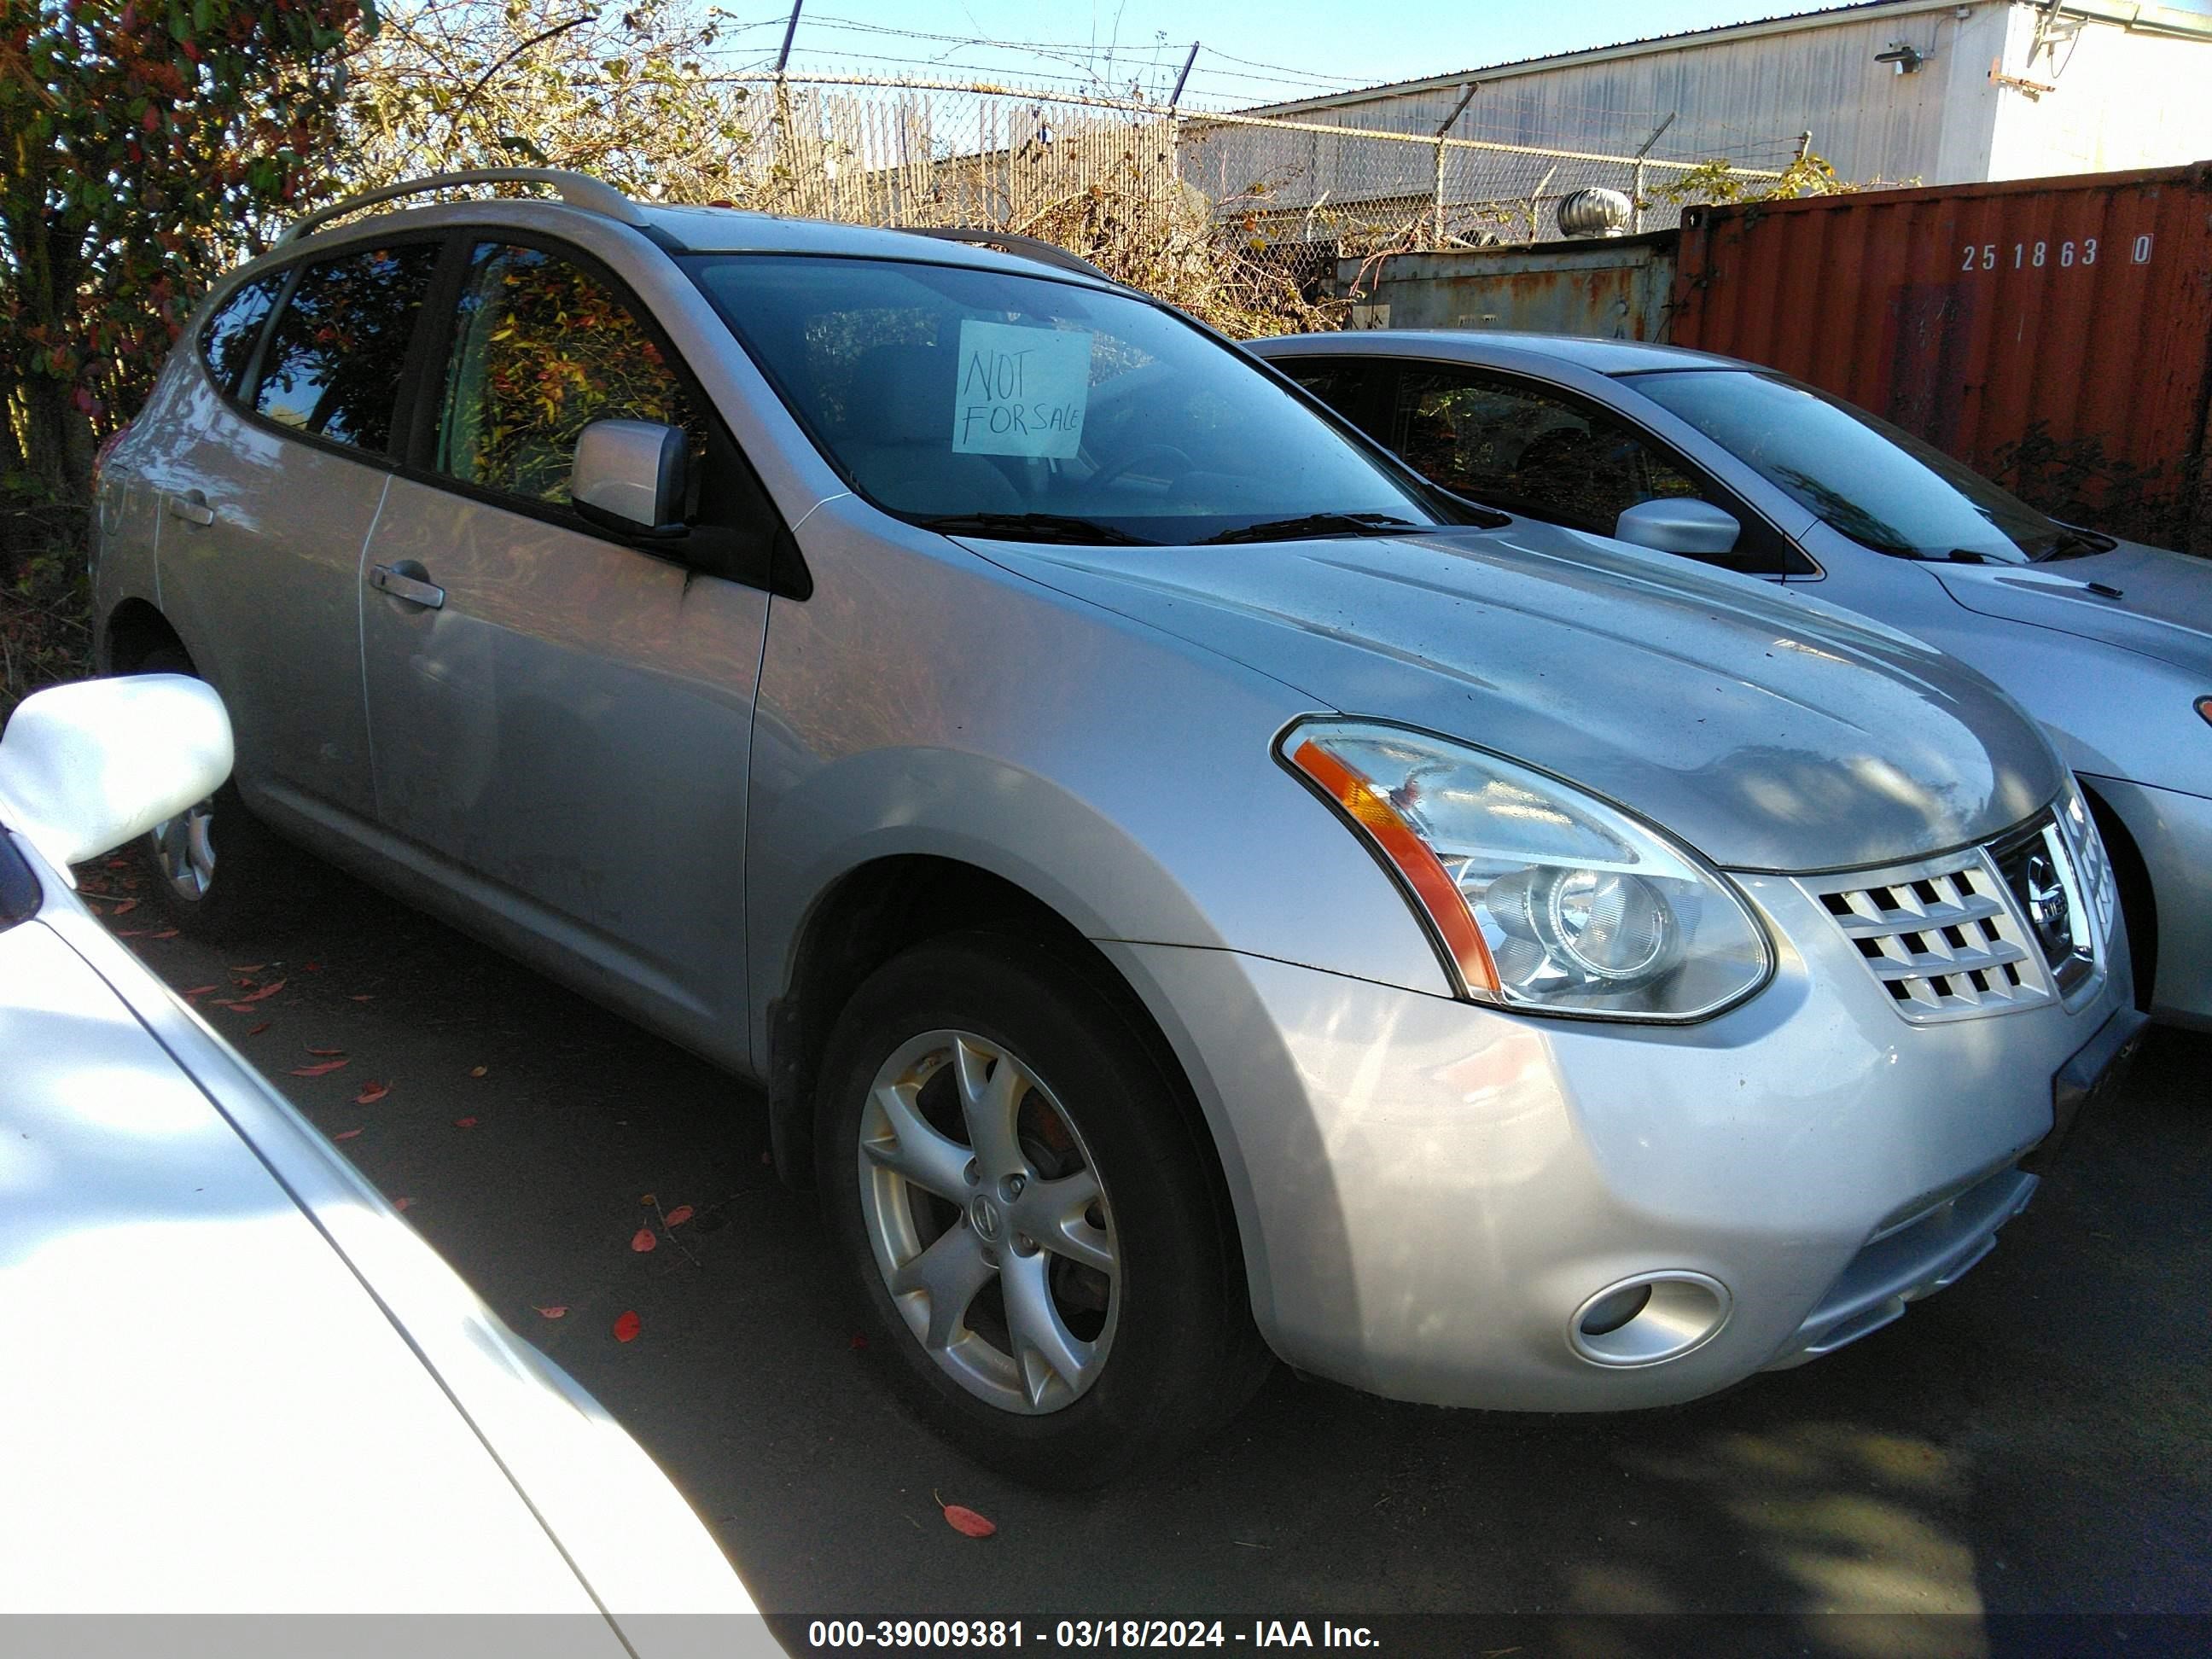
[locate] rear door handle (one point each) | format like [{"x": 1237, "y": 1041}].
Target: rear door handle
[
  {"x": 192, "y": 508},
  {"x": 401, "y": 585}
]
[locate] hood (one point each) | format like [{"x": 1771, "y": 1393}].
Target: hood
[
  {"x": 1767, "y": 736},
  {"x": 2157, "y": 603}
]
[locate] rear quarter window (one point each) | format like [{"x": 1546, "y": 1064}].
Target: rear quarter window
[{"x": 227, "y": 338}]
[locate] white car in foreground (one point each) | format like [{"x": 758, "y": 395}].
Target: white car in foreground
[{"x": 232, "y": 1379}]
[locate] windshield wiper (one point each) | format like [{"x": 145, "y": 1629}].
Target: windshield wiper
[
  {"x": 1030, "y": 527},
  {"x": 1319, "y": 524},
  {"x": 2076, "y": 545}
]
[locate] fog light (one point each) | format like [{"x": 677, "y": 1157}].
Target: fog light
[{"x": 1649, "y": 1319}]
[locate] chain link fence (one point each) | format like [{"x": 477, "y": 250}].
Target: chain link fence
[{"x": 1296, "y": 193}]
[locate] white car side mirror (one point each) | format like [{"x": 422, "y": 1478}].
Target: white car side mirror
[
  {"x": 1680, "y": 524},
  {"x": 86, "y": 766}
]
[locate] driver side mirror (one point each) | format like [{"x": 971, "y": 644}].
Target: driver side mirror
[
  {"x": 1680, "y": 524},
  {"x": 87, "y": 767},
  {"x": 630, "y": 476}
]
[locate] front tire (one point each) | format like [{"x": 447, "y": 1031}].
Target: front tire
[
  {"x": 215, "y": 869},
  {"x": 1016, "y": 1186}
]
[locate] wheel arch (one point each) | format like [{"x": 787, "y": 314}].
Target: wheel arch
[
  {"x": 879, "y": 909},
  {"x": 133, "y": 631}
]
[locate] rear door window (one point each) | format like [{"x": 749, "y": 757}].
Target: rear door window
[
  {"x": 541, "y": 348},
  {"x": 338, "y": 351}
]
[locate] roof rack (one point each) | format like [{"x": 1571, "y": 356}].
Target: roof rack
[
  {"x": 1008, "y": 241},
  {"x": 578, "y": 190}
]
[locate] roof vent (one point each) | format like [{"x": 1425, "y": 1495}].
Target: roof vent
[{"x": 1594, "y": 213}]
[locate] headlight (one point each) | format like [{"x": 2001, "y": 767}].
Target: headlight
[
  {"x": 1543, "y": 897},
  {"x": 2100, "y": 889}
]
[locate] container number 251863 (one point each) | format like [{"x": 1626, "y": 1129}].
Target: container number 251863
[{"x": 1988, "y": 256}]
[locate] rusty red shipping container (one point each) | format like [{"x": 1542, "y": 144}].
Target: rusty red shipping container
[{"x": 2055, "y": 333}]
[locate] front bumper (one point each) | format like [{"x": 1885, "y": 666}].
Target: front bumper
[
  {"x": 1430, "y": 1193},
  {"x": 2173, "y": 831}
]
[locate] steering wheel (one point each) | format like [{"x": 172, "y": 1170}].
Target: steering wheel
[{"x": 1108, "y": 475}]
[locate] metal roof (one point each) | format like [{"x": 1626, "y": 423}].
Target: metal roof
[{"x": 1779, "y": 23}]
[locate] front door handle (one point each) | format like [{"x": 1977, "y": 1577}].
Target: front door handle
[
  {"x": 401, "y": 585},
  {"x": 192, "y": 508}
]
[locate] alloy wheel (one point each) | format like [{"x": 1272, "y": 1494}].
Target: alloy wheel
[
  {"x": 184, "y": 850},
  {"x": 989, "y": 1221}
]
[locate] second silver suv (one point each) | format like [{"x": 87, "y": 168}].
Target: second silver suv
[{"x": 1189, "y": 890}]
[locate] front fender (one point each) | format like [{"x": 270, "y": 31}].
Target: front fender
[{"x": 1121, "y": 776}]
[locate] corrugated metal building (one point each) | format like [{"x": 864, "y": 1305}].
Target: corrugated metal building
[{"x": 1902, "y": 91}]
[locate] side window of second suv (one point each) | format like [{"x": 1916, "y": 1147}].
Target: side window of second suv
[{"x": 334, "y": 360}]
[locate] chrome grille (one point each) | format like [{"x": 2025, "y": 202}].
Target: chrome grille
[{"x": 1943, "y": 937}]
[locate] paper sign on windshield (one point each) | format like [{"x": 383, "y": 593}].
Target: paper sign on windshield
[{"x": 1022, "y": 390}]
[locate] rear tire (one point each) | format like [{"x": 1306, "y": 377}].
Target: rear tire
[
  {"x": 997, "y": 1142},
  {"x": 209, "y": 894}
]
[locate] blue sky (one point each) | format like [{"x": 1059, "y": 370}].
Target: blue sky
[{"x": 1288, "y": 48}]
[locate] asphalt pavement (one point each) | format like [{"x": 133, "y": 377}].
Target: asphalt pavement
[{"x": 2033, "y": 1440}]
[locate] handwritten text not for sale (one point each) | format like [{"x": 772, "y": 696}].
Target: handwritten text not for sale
[{"x": 1022, "y": 390}]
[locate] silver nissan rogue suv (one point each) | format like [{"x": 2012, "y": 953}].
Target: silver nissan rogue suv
[{"x": 1190, "y": 890}]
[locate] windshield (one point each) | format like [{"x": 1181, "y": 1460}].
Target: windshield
[
  {"x": 1870, "y": 480},
  {"x": 989, "y": 404}
]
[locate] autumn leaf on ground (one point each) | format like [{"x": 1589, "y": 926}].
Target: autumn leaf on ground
[
  {"x": 117, "y": 864},
  {"x": 372, "y": 1093},
  {"x": 326, "y": 1053},
  {"x": 199, "y": 991},
  {"x": 264, "y": 994},
  {"x": 365, "y": 996},
  {"x": 556, "y": 1311},
  {"x": 250, "y": 968},
  {"x": 642, "y": 1240},
  {"x": 464, "y": 1123},
  {"x": 345, "y": 1135},
  {"x": 318, "y": 1070},
  {"x": 859, "y": 1342},
  {"x": 167, "y": 933},
  {"x": 965, "y": 1521},
  {"x": 124, "y": 909},
  {"x": 403, "y": 1204},
  {"x": 678, "y": 1216},
  {"x": 130, "y": 932},
  {"x": 478, "y": 1070},
  {"x": 258, "y": 1030},
  {"x": 627, "y": 1327}
]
